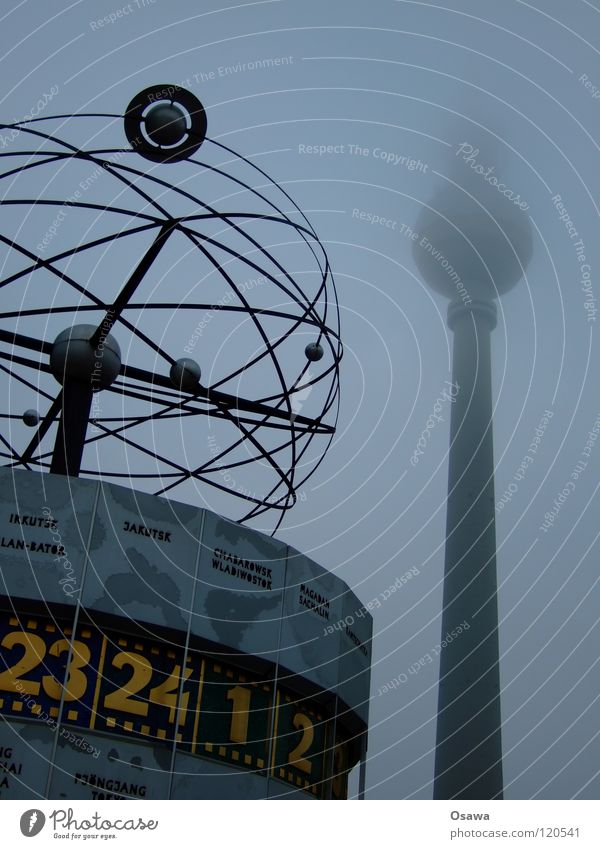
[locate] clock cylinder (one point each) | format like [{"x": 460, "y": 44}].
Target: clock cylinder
[{"x": 154, "y": 650}]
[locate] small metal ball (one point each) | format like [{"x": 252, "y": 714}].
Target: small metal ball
[
  {"x": 185, "y": 374},
  {"x": 31, "y": 418},
  {"x": 165, "y": 124},
  {"x": 314, "y": 352}
]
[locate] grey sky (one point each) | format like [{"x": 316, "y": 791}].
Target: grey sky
[{"x": 375, "y": 87}]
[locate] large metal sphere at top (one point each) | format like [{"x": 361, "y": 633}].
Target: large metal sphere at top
[
  {"x": 461, "y": 247},
  {"x": 179, "y": 254},
  {"x": 165, "y": 124}
]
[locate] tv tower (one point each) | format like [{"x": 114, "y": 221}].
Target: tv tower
[{"x": 474, "y": 247}]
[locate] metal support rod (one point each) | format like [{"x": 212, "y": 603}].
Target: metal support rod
[
  {"x": 72, "y": 428},
  {"x": 468, "y": 762},
  {"x": 122, "y": 299}
]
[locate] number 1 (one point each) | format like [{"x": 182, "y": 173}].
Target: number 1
[{"x": 240, "y": 697}]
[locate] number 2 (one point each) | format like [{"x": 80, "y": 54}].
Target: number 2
[
  {"x": 35, "y": 649},
  {"x": 122, "y": 699},
  {"x": 308, "y": 734}
]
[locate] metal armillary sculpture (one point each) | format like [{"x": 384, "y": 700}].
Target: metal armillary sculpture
[{"x": 151, "y": 291}]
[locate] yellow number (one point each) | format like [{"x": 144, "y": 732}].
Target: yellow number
[
  {"x": 340, "y": 768},
  {"x": 166, "y": 694},
  {"x": 308, "y": 735},
  {"x": 122, "y": 699},
  {"x": 35, "y": 649},
  {"x": 76, "y": 683},
  {"x": 240, "y": 696}
]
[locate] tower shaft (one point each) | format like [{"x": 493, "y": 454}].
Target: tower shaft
[{"x": 468, "y": 761}]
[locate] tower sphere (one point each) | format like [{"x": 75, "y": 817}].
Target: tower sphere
[{"x": 484, "y": 252}]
